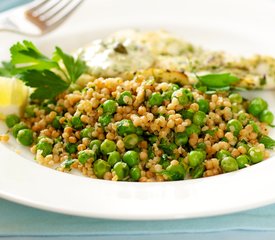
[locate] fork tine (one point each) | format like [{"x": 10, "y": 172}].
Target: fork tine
[
  {"x": 62, "y": 14},
  {"x": 36, "y": 4},
  {"x": 45, "y": 8},
  {"x": 46, "y": 15},
  {"x": 55, "y": 10}
]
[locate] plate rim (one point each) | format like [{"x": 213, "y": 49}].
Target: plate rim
[{"x": 28, "y": 199}]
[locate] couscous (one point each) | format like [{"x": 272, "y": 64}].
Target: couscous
[{"x": 146, "y": 125}]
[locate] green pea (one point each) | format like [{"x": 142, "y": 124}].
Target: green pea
[
  {"x": 242, "y": 161},
  {"x": 202, "y": 151},
  {"x": 203, "y": 105},
  {"x": 201, "y": 146},
  {"x": 266, "y": 116},
  {"x": 183, "y": 95},
  {"x": 168, "y": 94},
  {"x": 113, "y": 158},
  {"x": 192, "y": 129},
  {"x": 256, "y": 106},
  {"x": 195, "y": 158},
  {"x": 256, "y": 155},
  {"x": 100, "y": 167},
  {"x": 155, "y": 99},
  {"x": 86, "y": 132},
  {"x": 125, "y": 98},
  {"x": 25, "y": 137},
  {"x": 234, "y": 126},
  {"x": 242, "y": 144},
  {"x": 229, "y": 164},
  {"x": 135, "y": 173},
  {"x": 17, "y": 127},
  {"x": 109, "y": 106},
  {"x": 198, "y": 171},
  {"x": 235, "y": 98},
  {"x": 236, "y": 107},
  {"x": 188, "y": 114},
  {"x": 55, "y": 123},
  {"x": 76, "y": 122},
  {"x": 243, "y": 118},
  {"x": 95, "y": 145},
  {"x": 175, "y": 172},
  {"x": 29, "y": 111},
  {"x": 181, "y": 139},
  {"x": 131, "y": 141},
  {"x": 85, "y": 155},
  {"x": 223, "y": 154},
  {"x": 105, "y": 119},
  {"x": 71, "y": 148},
  {"x": 11, "y": 120},
  {"x": 199, "y": 118},
  {"x": 121, "y": 169},
  {"x": 125, "y": 127},
  {"x": 107, "y": 146},
  {"x": 255, "y": 126},
  {"x": 131, "y": 158},
  {"x": 45, "y": 146},
  {"x": 174, "y": 86}
]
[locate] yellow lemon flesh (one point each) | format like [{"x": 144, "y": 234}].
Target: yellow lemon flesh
[{"x": 13, "y": 96}]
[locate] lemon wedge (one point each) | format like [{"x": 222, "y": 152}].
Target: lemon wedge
[{"x": 13, "y": 96}]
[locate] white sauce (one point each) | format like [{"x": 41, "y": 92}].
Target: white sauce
[
  {"x": 144, "y": 50},
  {"x": 103, "y": 60}
]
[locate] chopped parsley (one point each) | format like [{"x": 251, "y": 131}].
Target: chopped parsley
[{"x": 267, "y": 141}]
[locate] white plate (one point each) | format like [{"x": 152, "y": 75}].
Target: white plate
[{"x": 237, "y": 26}]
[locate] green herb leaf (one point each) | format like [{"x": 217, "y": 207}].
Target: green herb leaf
[
  {"x": 200, "y": 87},
  {"x": 25, "y": 56},
  {"x": 197, "y": 172},
  {"x": 172, "y": 176},
  {"x": 67, "y": 163},
  {"x": 7, "y": 69},
  {"x": 218, "y": 80},
  {"x": 267, "y": 141},
  {"x": 38, "y": 71},
  {"x": 211, "y": 132},
  {"x": 74, "y": 67},
  {"x": 46, "y": 83},
  {"x": 167, "y": 147}
]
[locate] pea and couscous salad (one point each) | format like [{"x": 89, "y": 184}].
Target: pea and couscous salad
[{"x": 141, "y": 107}]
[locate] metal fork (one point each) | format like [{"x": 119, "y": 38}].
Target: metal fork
[{"x": 38, "y": 17}]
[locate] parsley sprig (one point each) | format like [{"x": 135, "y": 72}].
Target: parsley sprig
[
  {"x": 6, "y": 70},
  {"x": 48, "y": 76},
  {"x": 216, "y": 82}
]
